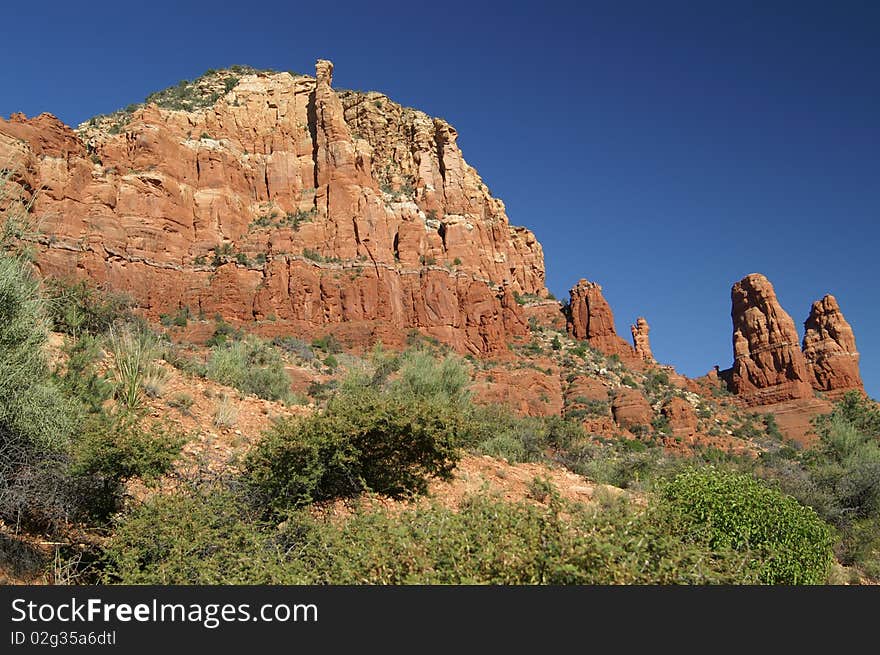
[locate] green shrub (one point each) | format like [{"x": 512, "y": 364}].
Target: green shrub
[
  {"x": 494, "y": 430},
  {"x": 656, "y": 381},
  {"x": 78, "y": 307},
  {"x": 365, "y": 440},
  {"x": 80, "y": 378},
  {"x": 211, "y": 539},
  {"x": 421, "y": 375},
  {"x": 188, "y": 538},
  {"x": 36, "y": 420},
  {"x": 251, "y": 366},
  {"x": 110, "y": 450},
  {"x": 328, "y": 343},
  {"x": 224, "y": 332},
  {"x": 791, "y": 544}
]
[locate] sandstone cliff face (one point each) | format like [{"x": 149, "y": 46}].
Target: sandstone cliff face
[
  {"x": 641, "y": 341},
  {"x": 830, "y": 349},
  {"x": 282, "y": 200},
  {"x": 591, "y": 320},
  {"x": 768, "y": 363}
]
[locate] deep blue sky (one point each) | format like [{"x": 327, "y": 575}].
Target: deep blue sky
[{"x": 662, "y": 149}]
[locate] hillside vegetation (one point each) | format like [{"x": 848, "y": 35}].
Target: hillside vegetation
[{"x": 128, "y": 483}]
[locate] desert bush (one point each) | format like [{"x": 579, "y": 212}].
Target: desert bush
[
  {"x": 80, "y": 307},
  {"x": 226, "y": 413},
  {"x": 109, "y": 450},
  {"x": 421, "y": 375},
  {"x": 211, "y": 539},
  {"x": 494, "y": 430},
  {"x": 367, "y": 440},
  {"x": 224, "y": 332},
  {"x": 789, "y": 542},
  {"x": 192, "y": 537},
  {"x": 80, "y": 378},
  {"x": 251, "y": 366},
  {"x": 36, "y": 419},
  {"x": 154, "y": 380},
  {"x": 295, "y": 346},
  {"x": 328, "y": 343}
]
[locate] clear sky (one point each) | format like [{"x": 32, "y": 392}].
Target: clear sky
[{"x": 663, "y": 149}]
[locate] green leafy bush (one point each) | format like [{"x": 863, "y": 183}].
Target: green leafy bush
[
  {"x": 724, "y": 510},
  {"x": 109, "y": 450},
  {"x": 251, "y": 366},
  {"x": 365, "y": 440},
  {"x": 211, "y": 539},
  {"x": 189, "y": 538}
]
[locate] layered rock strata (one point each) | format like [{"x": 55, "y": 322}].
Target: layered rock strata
[{"x": 280, "y": 199}]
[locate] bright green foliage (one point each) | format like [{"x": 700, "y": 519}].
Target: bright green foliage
[
  {"x": 188, "y": 538},
  {"x": 730, "y": 511},
  {"x": 251, "y": 366},
  {"x": 210, "y": 540},
  {"x": 365, "y": 440}
]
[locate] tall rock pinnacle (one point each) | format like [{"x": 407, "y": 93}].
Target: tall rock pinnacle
[
  {"x": 830, "y": 349},
  {"x": 768, "y": 363},
  {"x": 641, "y": 341},
  {"x": 591, "y": 320}
]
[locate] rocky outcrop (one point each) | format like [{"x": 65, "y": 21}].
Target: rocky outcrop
[
  {"x": 830, "y": 349},
  {"x": 528, "y": 391},
  {"x": 631, "y": 409},
  {"x": 768, "y": 366},
  {"x": 280, "y": 199},
  {"x": 680, "y": 415},
  {"x": 641, "y": 341},
  {"x": 590, "y": 319}
]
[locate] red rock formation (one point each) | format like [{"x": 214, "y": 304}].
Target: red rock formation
[
  {"x": 630, "y": 408},
  {"x": 547, "y": 314},
  {"x": 768, "y": 366},
  {"x": 527, "y": 391},
  {"x": 282, "y": 198},
  {"x": 591, "y": 320},
  {"x": 681, "y": 416},
  {"x": 641, "y": 341},
  {"x": 830, "y": 349}
]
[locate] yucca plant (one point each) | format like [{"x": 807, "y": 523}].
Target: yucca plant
[{"x": 134, "y": 351}]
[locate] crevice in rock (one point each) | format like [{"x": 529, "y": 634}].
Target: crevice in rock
[
  {"x": 312, "y": 119},
  {"x": 440, "y": 142}
]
